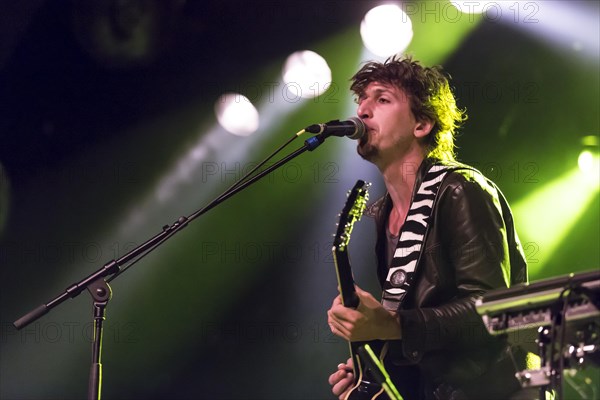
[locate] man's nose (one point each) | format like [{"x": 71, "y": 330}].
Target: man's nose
[{"x": 364, "y": 110}]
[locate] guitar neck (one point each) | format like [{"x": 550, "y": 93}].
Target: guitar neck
[
  {"x": 345, "y": 278},
  {"x": 365, "y": 386}
]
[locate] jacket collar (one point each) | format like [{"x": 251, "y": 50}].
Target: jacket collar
[{"x": 384, "y": 203}]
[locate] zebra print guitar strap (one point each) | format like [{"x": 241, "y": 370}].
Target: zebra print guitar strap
[{"x": 412, "y": 235}]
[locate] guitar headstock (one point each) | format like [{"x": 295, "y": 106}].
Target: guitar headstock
[{"x": 352, "y": 212}]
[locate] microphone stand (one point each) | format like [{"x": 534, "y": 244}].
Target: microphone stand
[{"x": 98, "y": 286}]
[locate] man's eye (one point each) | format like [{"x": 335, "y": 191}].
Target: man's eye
[{"x": 383, "y": 100}]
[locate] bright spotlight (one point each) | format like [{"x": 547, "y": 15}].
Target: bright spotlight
[
  {"x": 589, "y": 159},
  {"x": 306, "y": 74},
  {"x": 585, "y": 161},
  {"x": 386, "y": 30},
  {"x": 589, "y": 165},
  {"x": 472, "y": 7},
  {"x": 236, "y": 114}
]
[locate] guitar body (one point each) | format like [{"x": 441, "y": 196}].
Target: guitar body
[{"x": 366, "y": 386}]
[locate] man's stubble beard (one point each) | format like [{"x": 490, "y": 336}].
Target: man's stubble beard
[{"x": 367, "y": 151}]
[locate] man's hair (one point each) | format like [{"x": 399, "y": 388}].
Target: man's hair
[{"x": 429, "y": 94}]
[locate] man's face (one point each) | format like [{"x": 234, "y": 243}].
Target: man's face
[{"x": 385, "y": 110}]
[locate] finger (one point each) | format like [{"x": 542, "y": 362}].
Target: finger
[
  {"x": 332, "y": 327},
  {"x": 334, "y": 324},
  {"x": 339, "y": 330},
  {"x": 337, "y": 301},
  {"x": 365, "y": 296},
  {"x": 341, "y": 313},
  {"x": 338, "y": 376},
  {"x": 334, "y": 378},
  {"x": 345, "y": 319},
  {"x": 343, "y": 385}
]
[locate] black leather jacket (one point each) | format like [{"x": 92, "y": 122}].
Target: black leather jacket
[{"x": 471, "y": 247}]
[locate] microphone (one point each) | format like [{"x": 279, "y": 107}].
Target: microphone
[{"x": 353, "y": 127}]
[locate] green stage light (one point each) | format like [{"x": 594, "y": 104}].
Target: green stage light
[
  {"x": 589, "y": 159},
  {"x": 438, "y": 32},
  {"x": 547, "y": 215},
  {"x": 588, "y": 164}
]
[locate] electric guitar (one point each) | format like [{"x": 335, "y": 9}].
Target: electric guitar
[{"x": 366, "y": 386}]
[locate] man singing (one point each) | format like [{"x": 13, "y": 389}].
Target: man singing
[{"x": 436, "y": 344}]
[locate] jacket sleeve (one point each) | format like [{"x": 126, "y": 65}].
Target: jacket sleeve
[{"x": 472, "y": 258}]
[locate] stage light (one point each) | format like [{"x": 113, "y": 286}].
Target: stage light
[
  {"x": 542, "y": 236},
  {"x": 586, "y": 162},
  {"x": 589, "y": 159},
  {"x": 386, "y": 30},
  {"x": 306, "y": 74},
  {"x": 570, "y": 25},
  {"x": 236, "y": 114}
]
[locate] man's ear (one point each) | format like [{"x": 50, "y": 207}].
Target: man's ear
[{"x": 423, "y": 128}]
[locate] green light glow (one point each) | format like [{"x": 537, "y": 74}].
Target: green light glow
[
  {"x": 434, "y": 42},
  {"x": 589, "y": 164},
  {"x": 546, "y": 217}
]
